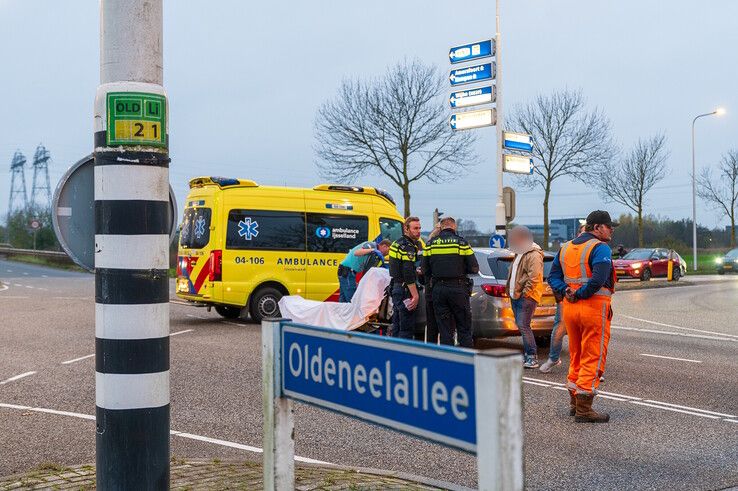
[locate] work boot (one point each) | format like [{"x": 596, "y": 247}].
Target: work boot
[
  {"x": 572, "y": 402},
  {"x": 585, "y": 413}
]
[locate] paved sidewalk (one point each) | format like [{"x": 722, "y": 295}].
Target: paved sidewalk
[{"x": 217, "y": 475}]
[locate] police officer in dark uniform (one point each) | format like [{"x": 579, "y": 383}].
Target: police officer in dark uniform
[
  {"x": 447, "y": 260},
  {"x": 402, "y": 255}
]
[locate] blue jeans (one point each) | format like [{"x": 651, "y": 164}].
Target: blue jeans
[
  {"x": 523, "y": 308},
  {"x": 557, "y": 335},
  {"x": 347, "y": 287}
]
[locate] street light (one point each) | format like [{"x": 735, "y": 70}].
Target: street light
[{"x": 717, "y": 112}]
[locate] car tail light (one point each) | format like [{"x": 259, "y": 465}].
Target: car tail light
[
  {"x": 494, "y": 290},
  {"x": 216, "y": 265}
]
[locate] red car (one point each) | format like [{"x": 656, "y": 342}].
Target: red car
[{"x": 645, "y": 264}]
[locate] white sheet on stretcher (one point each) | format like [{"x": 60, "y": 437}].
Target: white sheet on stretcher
[{"x": 343, "y": 316}]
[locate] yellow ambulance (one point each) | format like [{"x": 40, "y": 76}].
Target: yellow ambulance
[{"x": 243, "y": 246}]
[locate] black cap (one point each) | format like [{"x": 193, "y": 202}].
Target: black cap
[{"x": 600, "y": 217}]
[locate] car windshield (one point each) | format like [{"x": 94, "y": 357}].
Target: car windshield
[
  {"x": 732, "y": 254},
  {"x": 639, "y": 254}
]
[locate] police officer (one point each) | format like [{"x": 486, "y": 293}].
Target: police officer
[
  {"x": 447, "y": 260},
  {"x": 402, "y": 255}
]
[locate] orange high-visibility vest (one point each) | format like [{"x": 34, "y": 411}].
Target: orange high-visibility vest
[{"x": 574, "y": 260}]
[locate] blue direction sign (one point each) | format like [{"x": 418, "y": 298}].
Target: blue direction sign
[
  {"x": 497, "y": 241},
  {"x": 518, "y": 141},
  {"x": 474, "y": 51},
  {"x": 474, "y": 73},
  {"x": 472, "y": 97},
  {"x": 423, "y": 390}
]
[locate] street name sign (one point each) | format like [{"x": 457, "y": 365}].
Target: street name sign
[
  {"x": 473, "y": 119},
  {"x": 474, "y": 51},
  {"x": 474, "y": 73},
  {"x": 518, "y": 141},
  {"x": 472, "y": 97},
  {"x": 422, "y": 390},
  {"x": 517, "y": 164},
  {"x": 136, "y": 118}
]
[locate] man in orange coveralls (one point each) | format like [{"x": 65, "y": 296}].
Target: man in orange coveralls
[{"x": 583, "y": 274}]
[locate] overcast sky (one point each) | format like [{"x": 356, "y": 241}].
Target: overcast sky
[{"x": 245, "y": 79}]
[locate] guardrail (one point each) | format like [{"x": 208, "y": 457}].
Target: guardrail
[{"x": 52, "y": 256}]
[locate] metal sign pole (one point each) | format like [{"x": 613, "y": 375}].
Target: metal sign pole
[
  {"x": 279, "y": 440},
  {"x": 500, "y": 223},
  {"x": 132, "y": 224}
]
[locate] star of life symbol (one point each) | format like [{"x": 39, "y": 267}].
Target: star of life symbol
[
  {"x": 248, "y": 229},
  {"x": 200, "y": 227}
]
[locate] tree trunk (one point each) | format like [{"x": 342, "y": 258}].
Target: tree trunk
[
  {"x": 640, "y": 227},
  {"x": 546, "y": 195},
  {"x": 406, "y": 198},
  {"x": 732, "y": 229}
]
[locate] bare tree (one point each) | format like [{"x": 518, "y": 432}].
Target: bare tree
[
  {"x": 633, "y": 177},
  {"x": 721, "y": 191},
  {"x": 568, "y": 141},
  {"x": 396, "y": 126}
]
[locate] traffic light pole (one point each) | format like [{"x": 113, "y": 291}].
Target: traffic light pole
[
  {"x": 132, "y": 224},
  {"x": 500, "y": 222}
]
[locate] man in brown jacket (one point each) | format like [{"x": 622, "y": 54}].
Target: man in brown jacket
[{"x": 525, "y": 287}]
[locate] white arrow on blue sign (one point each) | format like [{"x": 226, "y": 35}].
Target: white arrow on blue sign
[
  {"x": 474, "y": 51},
  {"x": 472, "y": 97},
  {"x": 518, "y": 141},
  {"x": 474, "y": 73},
  {"x": 497, "y": 241}
]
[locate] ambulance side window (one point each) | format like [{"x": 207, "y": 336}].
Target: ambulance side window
[
  {"x": 270, "y": 230},
  {"x": 195, "y": 232},
  {"x": 390, "y": 229},
  {"x": 335, "y": 233}
]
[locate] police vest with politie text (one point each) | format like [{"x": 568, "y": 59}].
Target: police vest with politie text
[{"x": 402, "y": 256}]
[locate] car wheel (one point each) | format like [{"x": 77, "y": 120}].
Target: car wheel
[
  {"x": 676, "y": 274},
  {"x": 543, "y": 341},
  {"x": 228, "y": 312},
  {"x": 264, "y": 303},
  {"x": 646, "y": 275}
]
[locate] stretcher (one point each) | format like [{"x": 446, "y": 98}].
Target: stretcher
[{"x": 369, "y": 309}]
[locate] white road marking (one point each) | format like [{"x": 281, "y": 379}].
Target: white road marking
[
  {"x": 672, "y": 358},
  {"x": 17, "y": 377},
  {"x": 672, "y": 333},
  {"x": 70, "y": 298},
  {"x": 25, "y": 274},
  {"x": 666, "y": 406},
  {"x": 3, "y": 287},
  {"x": 77, "y": 359},
  {"x": 14, "y": 296},
  {"x": 44, "y": 276},
  {"x": 231, "y": 323},
  {"x": 16, "y": 284},
  {"x": 181, "y": 332},
  {"x": 181, "y": 434},
  {"x": 29, "y": 286},
  {"x": 195, "y": 316},
  {"x": 9, "y": 270},
  {"x": 179, "y": 302},
  {"x": 677, "y": 327}
]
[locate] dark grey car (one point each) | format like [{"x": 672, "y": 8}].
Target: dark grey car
[{"x": 492, "y": 315}]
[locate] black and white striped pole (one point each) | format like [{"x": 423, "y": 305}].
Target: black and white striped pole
[{"x": 132, "y": 224}]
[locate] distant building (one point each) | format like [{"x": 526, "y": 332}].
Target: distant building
[
  {"x": 572, "y": 226},
  {"x": 557, "y": 232}
]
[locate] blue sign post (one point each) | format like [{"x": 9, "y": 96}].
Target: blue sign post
[
  {"x": 474, "y": 73},
  {"x": 461, "y": 398},
  {"x": 497, "y": 241},
  {"x": 473, "y": 51}
]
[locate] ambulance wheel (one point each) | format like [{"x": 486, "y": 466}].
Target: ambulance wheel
[
  {"x": 646, "y": 275},
  {"x": 227, "y": 311},
  {"x": 264, "y": 303}
]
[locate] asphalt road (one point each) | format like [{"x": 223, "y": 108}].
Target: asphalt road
[{"x": 671, "y": 389}]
